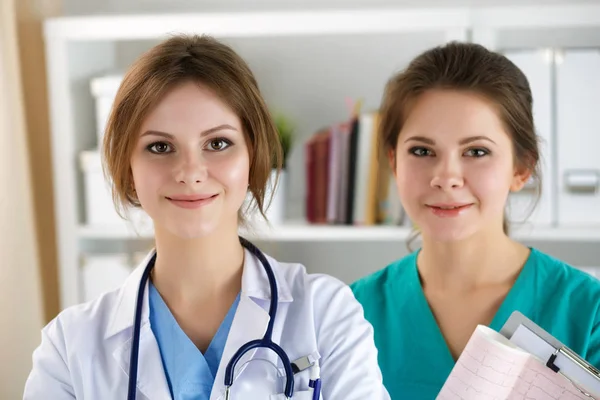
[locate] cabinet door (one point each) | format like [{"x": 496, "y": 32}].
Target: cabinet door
[
  {"x": 537, "y": 68},
  {"x": 578, "y": 120}
]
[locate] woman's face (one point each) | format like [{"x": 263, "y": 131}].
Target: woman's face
[
  {"x": 191, "y": 163},
  {"x": 454, "y": 165}
]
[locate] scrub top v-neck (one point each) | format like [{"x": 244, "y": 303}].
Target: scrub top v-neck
[
  {"x": 413, "y": 355},
  {"x": 190, "y": 374}
]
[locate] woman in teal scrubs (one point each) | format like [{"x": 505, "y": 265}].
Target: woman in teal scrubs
[{"x": 458, "y": 130}]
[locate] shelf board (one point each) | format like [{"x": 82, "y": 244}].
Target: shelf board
[
  {"x": 257, "y": 24},
  {"x": 302, "y": 232},
  {"x": 557, "y": 234},
  {"x": 113, "y": 232},
  {"x": 320, "y": 22},
  {"x": 292, "y": 231},
  {"x": 299, "y": 231}
]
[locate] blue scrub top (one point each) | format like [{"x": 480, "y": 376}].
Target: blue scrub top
[
  {"x": 190, "y": 373},
  {"x": 414, "y": 358}
]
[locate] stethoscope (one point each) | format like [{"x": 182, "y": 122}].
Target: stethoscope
[{"x": 265, "y": 342}]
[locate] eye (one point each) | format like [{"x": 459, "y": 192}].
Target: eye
[
  {"x": 420, "y": 151},
  {"x": 159, "y": 148},
  {"x": 477, "y": 152},
  {"x": 218, "y": 144}
]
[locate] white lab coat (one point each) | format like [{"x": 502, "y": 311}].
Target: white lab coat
[{"x": 84, "y": 353}]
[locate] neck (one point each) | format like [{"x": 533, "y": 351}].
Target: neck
[
  {"x": 194, "y": 272},
  {"x": 476, "y": 262}
]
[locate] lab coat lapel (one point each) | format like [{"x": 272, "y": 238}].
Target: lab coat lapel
[
  {"x": 251, "y": 318},
  {"x": 151, "y": 378},
  {"x": 250, "y": 323}
]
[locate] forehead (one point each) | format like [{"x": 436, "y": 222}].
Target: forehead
[
  {"x": 189, "y": 105},
  {"x": 453, "y": 114}
]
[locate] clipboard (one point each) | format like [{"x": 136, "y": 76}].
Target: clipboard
[{"x": 559, "y": 358}]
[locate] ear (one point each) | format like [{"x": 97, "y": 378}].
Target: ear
[
  {"x": 520, "y": 178},
  {"x": 391, "y": 156}
]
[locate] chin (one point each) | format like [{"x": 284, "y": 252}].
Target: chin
[
  {"x": 188, "y": 230},
  {"x": 448, "y": 234}
]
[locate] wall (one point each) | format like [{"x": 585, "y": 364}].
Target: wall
[
  {"x": 20, "y": 304},
  {"x": 30, "y": 15}
]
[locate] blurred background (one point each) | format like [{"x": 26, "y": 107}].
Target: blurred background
[{"x": 322, "y": 66}]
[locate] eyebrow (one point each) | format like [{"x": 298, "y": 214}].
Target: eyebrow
[
  {"x": 468, "y": 140},
  {"x": 203, "y": 133}
]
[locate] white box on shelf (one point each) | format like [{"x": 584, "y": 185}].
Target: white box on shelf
[
  {"x": 99, "y": 206},
  {"x": 578, "y": 110},
  {"x": 104, "y": 89},
  {"x": 103, "y": 273},
  {"x": 536, "y": 66},
  {"x": 275, "y": 207}
]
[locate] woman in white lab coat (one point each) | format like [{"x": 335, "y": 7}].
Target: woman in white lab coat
[{"x": 188, "y": 138}]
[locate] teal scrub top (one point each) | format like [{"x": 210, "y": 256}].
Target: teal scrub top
[
  {"x": 413, "y": 356},
  {"x": 190, "y": 374}
]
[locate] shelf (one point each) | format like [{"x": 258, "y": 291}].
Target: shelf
[
  {"x": 81, "y": 47},
  {"x": 296, "y": 232},
  {"x": 555, "y": 234},
  {"x": 289, "y": 232},
  {"x": 302, "y": 232},
  {"x": 321, "y": 22},
  {"x": 109, "y": 232},
  {"x": 252, "y": 24}
]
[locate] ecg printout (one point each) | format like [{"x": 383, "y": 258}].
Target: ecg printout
[{"x": 492, "y": 368}]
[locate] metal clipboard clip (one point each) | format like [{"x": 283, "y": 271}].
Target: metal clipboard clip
[
  {"x": 559, "y": 358},
  {"x": 577, "y": 361}
]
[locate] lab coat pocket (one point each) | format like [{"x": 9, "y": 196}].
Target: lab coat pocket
[{"x": 301, "y": 395}]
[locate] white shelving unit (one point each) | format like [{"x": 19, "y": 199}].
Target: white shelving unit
[{"x": 76, "y": 44}]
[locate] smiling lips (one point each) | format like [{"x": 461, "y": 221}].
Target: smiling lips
[
  {"x": 191, "y": 201},
  {"x": 448, "y": 210}
]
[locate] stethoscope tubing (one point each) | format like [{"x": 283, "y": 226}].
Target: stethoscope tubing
[{"x": 265, "y": 342}]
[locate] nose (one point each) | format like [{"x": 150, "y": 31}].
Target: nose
[
  {"x": 191, "y": 169},
  {"x": 447, "y": 175}
]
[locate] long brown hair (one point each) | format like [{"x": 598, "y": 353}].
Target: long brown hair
[
  {"x": 468, "y": 67},
  {"x": 200, "y": 59}
]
